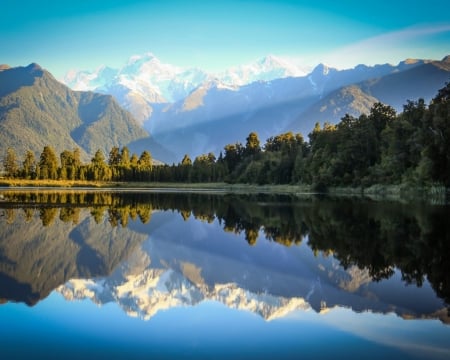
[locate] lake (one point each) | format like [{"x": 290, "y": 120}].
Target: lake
[{"x": 153, "y": 274}]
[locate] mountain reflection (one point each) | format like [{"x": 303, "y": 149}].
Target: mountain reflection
[{"x": 48, "y": 238}]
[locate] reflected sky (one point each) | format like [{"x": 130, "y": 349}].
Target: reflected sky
[
  {"x": 210, "y": 329},
  {"x": 190, "y": 284}
]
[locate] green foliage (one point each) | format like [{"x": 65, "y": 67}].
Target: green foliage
[
  {"x": 37, "y": 110},
  {"x": 382, "y": 147},
  {"x": 252, "y": 147},
  {"x": 48, "y": 164},
  {"x": 10, "y": 163},
  {"x": 29, "y": 166}
]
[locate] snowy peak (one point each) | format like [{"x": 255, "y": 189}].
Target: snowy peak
[
  {"x": 143, "y": 75},
  {"x": 265, "y": 69},
  {"x": 145, "y": 293},
  {"x": 150, "y": 67},
  {"x": 322, "y": 70},
  {"x": 271, "y": 62},
  {"x": 158, "y": 82},
  {"x": 90, "y": 80}
]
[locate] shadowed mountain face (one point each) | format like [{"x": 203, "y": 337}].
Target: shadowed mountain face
[
  {"x": 36, "y": 110},
  {"x": 268, "y": 254},
  {"x": 40, "y": 250}
]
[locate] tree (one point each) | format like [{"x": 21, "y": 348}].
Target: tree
[
  {"x": 29, "y": 165},
  {"x": 437, "y": 145},
  {"x": 67, "y": 162},
  {"x": 10, "y": 163},
  {"x": 76, "y": 167},
  {"x": 76, "y": 157},
  {"x": 381, "y": 115},
  {"x": 203, "y": 168},
  {"x": 125, "y": 157},
  {"x": 252, "y": 146},
  {"x": 233, "y": 155},
  {"x": 114, "y": 157},
  {"x": 98, "y": 159},
  {"x": 48, "y": 164},
  {"x": 134, "y": 160},
  {"x": 186, "y": 160},
  {"x": 98, "y": 170},
  {"x": 145, "y": 160}
]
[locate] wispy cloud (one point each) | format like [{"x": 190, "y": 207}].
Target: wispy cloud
[{"x": 420, "y": 42}]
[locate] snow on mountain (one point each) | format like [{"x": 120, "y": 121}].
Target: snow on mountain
[
  {"x": 89, "y": 80},
  {"x": 144, "y": 75},
  {"x": 144, "y": 294},
  {"x": 157, "y": 82},
  {"x": 142, "y": 289},
  {"x": 265, "y": 69},
  {"x": 144, "y": 81}
]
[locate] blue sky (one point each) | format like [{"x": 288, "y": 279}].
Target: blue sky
[{"x": 214, "y": 35}]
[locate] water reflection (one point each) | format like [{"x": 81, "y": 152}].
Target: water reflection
[{"x": 269, "y": 254}]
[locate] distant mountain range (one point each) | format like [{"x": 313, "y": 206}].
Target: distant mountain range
[
  {"x": 145, "y": 81},
  {"x": 167, "y": 271},
  {"x": 147, "y": 259},
  {"x": 191, "y": 111}
]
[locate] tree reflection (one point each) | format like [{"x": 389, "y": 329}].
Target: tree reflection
[{"x": 374, "y": 235}]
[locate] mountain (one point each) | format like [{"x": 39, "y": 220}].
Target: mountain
[
  {"x": 36, "y": 110},
  {"x": 411, "y": 80},
  {"x": 168, "y": 271},
  {"x": 265, "y": 69},
  {"x": 45, "y": 251},
  {"x": 162, "y": 289},
  {"x": 216, "y": 114},
  {"x": 145, "y": 81},
  {"x": 193, "y": 112}
]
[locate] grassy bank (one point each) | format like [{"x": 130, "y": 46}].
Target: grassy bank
[
  {"x": 433, "y": 193},
  {"x": 236, "y": 188},
  {"x": 395, "y": 192},
  {"x": 54, "y": 183}
]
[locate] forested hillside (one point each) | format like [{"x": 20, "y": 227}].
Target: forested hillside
[
  {"x": 381, "y": 147},
  {"x": 36, "y": 110}
]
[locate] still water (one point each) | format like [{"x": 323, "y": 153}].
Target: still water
[{"x": 141, "y": 275}]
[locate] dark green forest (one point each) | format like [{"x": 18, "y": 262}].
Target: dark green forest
[{"x": 382, "y": 147}]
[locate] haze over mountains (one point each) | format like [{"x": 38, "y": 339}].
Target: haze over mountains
[{"x": 190, "y": 111}]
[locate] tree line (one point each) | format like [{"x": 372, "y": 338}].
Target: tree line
[
  {"x": 381, "y": 147},
  {"x": 119, "y": 166}
]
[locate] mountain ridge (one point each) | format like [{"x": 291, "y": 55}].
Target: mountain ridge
[
  {"x": 208, "y": 112},
  {"x": 227, "y": 115},
  {"x": 36, "y": 110}
]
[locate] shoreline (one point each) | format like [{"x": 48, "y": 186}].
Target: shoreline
[{"x": 391, "y": 192}]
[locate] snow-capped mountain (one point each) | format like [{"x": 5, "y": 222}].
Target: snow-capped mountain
[
  {"x": 140, "y": 84},
  {"x": 147, "y": 74},
  {"x": 173, "y": 269},
  {"x": 265, "y": 69},
  {"x": 144, "y": 80},
  {"x": 143, "y": 295},
  {"x": 192, "y": 111},
  {"x": 143, "y": 74}
]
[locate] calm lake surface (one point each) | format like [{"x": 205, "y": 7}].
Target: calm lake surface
[{"x": 145, "y": 275}]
